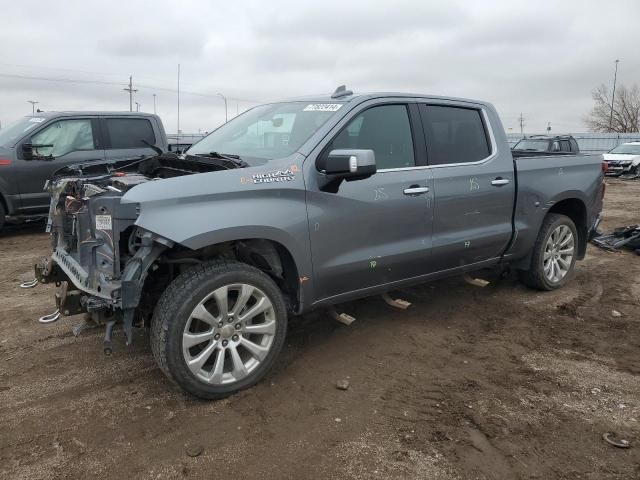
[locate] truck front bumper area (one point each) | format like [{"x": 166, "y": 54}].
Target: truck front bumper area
[{"x": 117, "y": 298}]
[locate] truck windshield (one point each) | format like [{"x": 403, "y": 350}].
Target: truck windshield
[
  {"x": 627, "y": 148},
  {"x": 12, "y": 133},
  {"x": 266, "y": 132},
  {"x": 530, "y": 145}
]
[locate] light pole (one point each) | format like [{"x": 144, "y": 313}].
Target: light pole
[
  {"x": 226, "y": 116},
  {"x": 33, "y": 106},
  {"x": 613, "y": 96},
  {"x": 154, "y": 103},
  {"x": 137, "y": 107}
]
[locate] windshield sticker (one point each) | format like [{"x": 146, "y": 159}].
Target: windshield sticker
[
  {"x": 322, "y": 107},
  {"x": 36, "y": 120},
  {"x": 270, "y": 177}
]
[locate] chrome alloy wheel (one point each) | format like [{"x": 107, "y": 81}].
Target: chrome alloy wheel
[
  {"x": 229, "y": 333},
  {"x": 558, "y": 254}
]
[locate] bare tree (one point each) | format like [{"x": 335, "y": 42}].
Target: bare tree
[{"x": 626, "y": 110}]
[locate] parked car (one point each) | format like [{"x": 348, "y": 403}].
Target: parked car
[
  {"x": 538, "y": 145},
  {"x": 304, "y": 204},
  {"x": 32, "y": 148},
  {"x": 623, "y": 160}
]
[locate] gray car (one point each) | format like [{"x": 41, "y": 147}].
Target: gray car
[
  {"x": 34, "y": 147},
  {"x": 303, "y": 204}
]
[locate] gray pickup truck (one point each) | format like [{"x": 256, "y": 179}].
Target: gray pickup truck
[
  {"x": 303, "y": 204},
  {"x": 34, "y": 147}
]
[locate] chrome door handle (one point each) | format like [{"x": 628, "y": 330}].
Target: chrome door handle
[
  {"x": 499, "y": 182},
  {"x": 415, "y": 190}
]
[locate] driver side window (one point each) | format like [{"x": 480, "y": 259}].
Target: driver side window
[
  {"x": 64, "y": 136},
  {"x": 385, "y": 130}
]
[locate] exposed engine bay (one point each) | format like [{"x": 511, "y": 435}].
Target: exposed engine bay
[{"x": 100, "y": 257}]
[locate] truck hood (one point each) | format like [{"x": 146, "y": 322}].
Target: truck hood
[{"x": 233, "y": 182}]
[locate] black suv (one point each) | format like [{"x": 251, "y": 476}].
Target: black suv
[{"x": 535, "y": 145}]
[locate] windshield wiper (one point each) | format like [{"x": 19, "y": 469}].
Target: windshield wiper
[{"x": 230, "y": 157}]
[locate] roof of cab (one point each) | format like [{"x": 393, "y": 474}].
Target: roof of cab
[
  {"x": 362, "y": 97},
  {"x": 92, "y": 113}
]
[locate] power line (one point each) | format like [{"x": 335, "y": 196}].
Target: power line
[
  {"x": 61, "y": 80},
  {"x": 120, "y": 84}
]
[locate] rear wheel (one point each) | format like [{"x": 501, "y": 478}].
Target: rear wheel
[
  {"x": 218, "y": 328},
  {"x": 554, "y": 254}
]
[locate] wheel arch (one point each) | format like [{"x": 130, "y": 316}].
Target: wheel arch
[
  {"x": 576, "y": 210},
  {"x": 268, "y": 255}
]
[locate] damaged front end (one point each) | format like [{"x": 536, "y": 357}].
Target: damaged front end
[{"x": 100, "y": 257}]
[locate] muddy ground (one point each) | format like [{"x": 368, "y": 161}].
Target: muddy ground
[{"x": 469, "y": 383}]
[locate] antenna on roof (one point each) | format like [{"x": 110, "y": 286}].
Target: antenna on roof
[{"x": 341, "y": 91}]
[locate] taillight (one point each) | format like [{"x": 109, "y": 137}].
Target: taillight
[
  {"x": 4, "y": 162},
  {"x": 605, "y": 167}
]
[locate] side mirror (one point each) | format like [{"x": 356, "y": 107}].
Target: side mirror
[
  {"x": 343, "y": 164},
  {"x": 27, "y": 149}
]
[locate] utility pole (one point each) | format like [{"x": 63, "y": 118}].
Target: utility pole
[
  {"x": 154, "y": 103},
  {"x": 33, "y": 106},
  {"x": 178, "y": 132},
  {"x": 548, "y": 126},
  {"x": 131, "y": 91},
  {"x": 613, "y": 96},
  {"x": 226, "y": 115},
  {"x": 137, "y": 107},
  {"x": 522, "y": 124}
]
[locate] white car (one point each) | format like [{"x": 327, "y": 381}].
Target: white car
[{"x": 624, "y": 159}]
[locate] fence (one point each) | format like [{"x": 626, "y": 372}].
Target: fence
[{"x": 588, "y": 142}]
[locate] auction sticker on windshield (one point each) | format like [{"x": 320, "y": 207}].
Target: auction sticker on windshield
[
  {"x": 103, "y": 222},
  {"x": 322, "y": 107}
]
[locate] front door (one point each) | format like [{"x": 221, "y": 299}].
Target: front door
[
  {"x": 473, "y": 186},
  {"x": 378, "y": 230},
  {"x": 69, "y": 140}
]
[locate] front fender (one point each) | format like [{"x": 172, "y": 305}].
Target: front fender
[{"x": 200, "y": 210}]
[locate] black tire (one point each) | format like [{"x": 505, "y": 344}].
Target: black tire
[
  {"x": 535, "y": 277},
  {"x": 3, "y": 215},
  {"x": 177, "y": 304}
]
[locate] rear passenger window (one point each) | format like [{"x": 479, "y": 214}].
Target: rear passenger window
[
  {"x": 129, "y": 132},
  {"x": 564, "y": 146},
  {"x": 454, "y": 135},
  {"x": 385, "y": 130}
]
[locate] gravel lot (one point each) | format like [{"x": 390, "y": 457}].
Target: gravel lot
[{"x": 469, "y": 383}]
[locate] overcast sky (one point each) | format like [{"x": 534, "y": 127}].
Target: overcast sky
[{"x": 539, "y": 58}]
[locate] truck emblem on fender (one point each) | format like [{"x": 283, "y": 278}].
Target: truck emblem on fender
[{"x": 278, "y": 176}]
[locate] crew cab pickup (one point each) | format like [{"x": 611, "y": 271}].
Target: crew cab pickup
[
  {"x": 32, "y": 148},
  {"x": 541, "y": 145},
  {"x": 303, "y": 204}
]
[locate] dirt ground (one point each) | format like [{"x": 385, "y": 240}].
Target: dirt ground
[{"x": 500, "y": 382}]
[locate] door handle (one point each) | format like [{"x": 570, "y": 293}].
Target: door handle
[
  {"x": 415, "y": 190},
  {"x": 498, "y": 182}
]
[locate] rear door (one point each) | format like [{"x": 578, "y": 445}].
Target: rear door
[
  {"x": 377, "y": 230},
  {"x": 473, "y": 185},
  {"x": 72, "y": 140},
  {"x": 125, "y": 137}
]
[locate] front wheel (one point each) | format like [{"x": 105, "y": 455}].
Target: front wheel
[
  {"x": 3, "y": 215},
  {"x": 554, "y": 254},
  {"x": 218, "y": 328}
]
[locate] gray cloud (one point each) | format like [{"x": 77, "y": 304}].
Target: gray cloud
[{"x": 542, "y": 59}]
